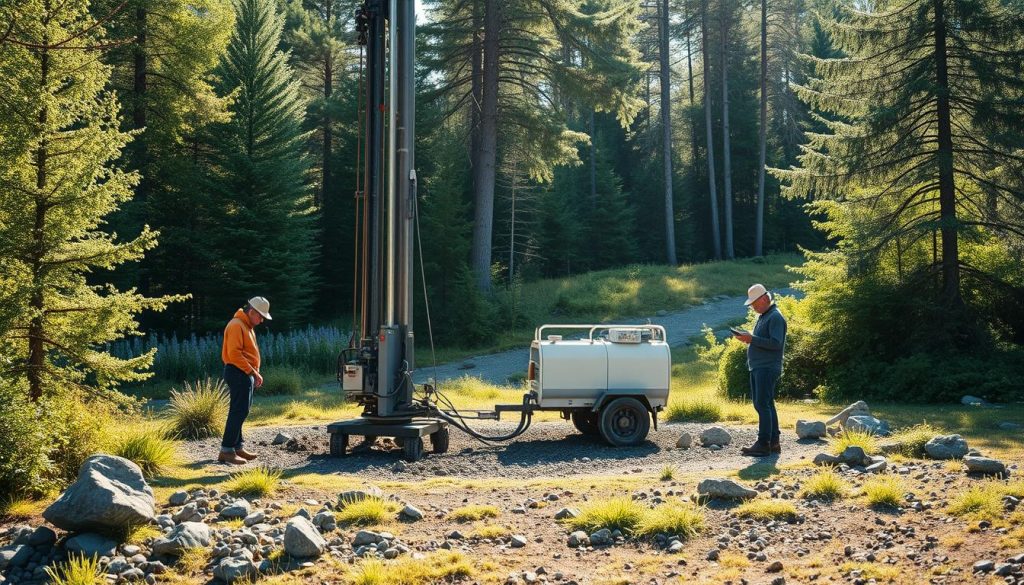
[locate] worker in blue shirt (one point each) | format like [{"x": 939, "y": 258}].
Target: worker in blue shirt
[{"x": 765, "y": 347}]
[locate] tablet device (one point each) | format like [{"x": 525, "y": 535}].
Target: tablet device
[{"x": 739, "y": 331}]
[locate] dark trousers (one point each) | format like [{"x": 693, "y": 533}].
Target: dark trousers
[
  {"x": 240, "y": 387},
  {"x": 762, "y": 389}
]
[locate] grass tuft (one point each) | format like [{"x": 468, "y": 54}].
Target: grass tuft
[
  {"x": 367, "y": 512},
  {"x": 439, "y": 567},
  {"x": 138, "y": 535},
  {"x": 694, "y": 410},
  {"x": 631, "y": 517},
  {"x": 614, "y": 514},
  {"x": 77, "y": 570},
  {"x": 824, "y": 485},
  {"x": 668, "y": 473},
  {"x": 259, "y": 481},
  {"x": 850, "y": 438},
  {"x": 148, "y": 448},
  {"x": 199, "y": 410},
  {"x": 192, "y": 560},
  {"x": 673, "y": 519},
  {"x": 20, "y": 508},
  {"x": 491, "y": 531},
  {"x": 885, "y": 491},
  {"x": 767, "y": 509},
  {"x": 912, "y": 439},
  {"x": 980, "y": 502},
  {"x": 472, "y": 513}
]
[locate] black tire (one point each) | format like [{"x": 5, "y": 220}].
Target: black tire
[
  {"x": 339, "y": 445},
  {"x": 625, "y": 422},
  {"x": 586, "y": 422},
  {"x": 412, "y": 448},
  {"x": 439, "y": 441}
]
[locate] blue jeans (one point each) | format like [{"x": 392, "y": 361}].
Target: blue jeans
[
  {"x": 762, "y": 389},
  {"x": 240, "y": 388}
]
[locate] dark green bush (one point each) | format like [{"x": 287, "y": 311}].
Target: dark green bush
[
  {"x": 24, "y": 467},
  {"x": 282, "y": 381}
]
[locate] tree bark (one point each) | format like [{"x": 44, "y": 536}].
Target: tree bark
[
  {"x": 947, "y": 186},
  {"x": 762, "y": 133},
  {"x": 715, "y": 233},
  {"x": 328, "y": 135},
  {"x": 484, "y": 173},
  {"x": 36, "y": 327},
  {"x": 666, "y": 132},
  {"x": 726, "y": 154},
  {"x": 689, "y": 74}
]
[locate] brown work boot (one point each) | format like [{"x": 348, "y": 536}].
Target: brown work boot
[
  {"x": 758, "y": 449},
  {"x": 245, "y": 454},
  {"x": 230, "y": 457},
  {"x": 776, "y": 447}
]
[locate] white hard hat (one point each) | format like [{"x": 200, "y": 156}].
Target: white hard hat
[
  {"x": 755, "y": 292},
  {"x": 262, "y": 306}
]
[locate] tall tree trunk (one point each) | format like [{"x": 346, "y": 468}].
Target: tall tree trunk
[
  {"x": 593, "y": 164},
  {"x": 484, "y": 173},
  {"x": 689, "y": 75},
  {"x": 666, "y": 132},
  {"x": 326, "y": 183},
  {"x": 476, "y": 86},
  {"x": 715, "y": 233},
  {"x": 36, "y": 327},
  {"x": 726, "y": 154},
  {"x": 947, "y": 187},
  {"x": 762, "y": 133}
]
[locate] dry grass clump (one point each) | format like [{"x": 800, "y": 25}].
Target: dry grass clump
[
  {"x": 199, "y": 410},
  {"x": 767, "y": 509},
  {"x": 851, "y": 438},
  {"x": 980, "y": 502},
  {"x": 473, "y": 512},
  {"x": 631, "y": 517},
  {"x": 255, "y": 482},
  {"x": 824, "y": 485},
  {"x": 911, "y": 440},
  {"x": 367, "y": 512},
  {"x": 440, "y": 567},
  {"x": 77, "y": 570},
  {"x": 148, "y": 448},
  {"x": 885, "y": 491}
]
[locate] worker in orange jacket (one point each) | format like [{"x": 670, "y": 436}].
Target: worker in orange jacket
[{"x": 241, "y": 357}]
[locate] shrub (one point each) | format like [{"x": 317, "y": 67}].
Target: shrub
[
  {"x": 911, "y": 440},
  {"x": 282, "y": 381},
  {"x": 24, "y": 466},
  {"x": 614, "y": 514},
  {"x": 694, "y": 410},
  {"x": 257, "y": 481},
  {"x": 824, "y": 485},
  {"x": 885, "y": 491},
  {"x": 199, "y": 411},
  {"x": 367, "y": 512},
  {"x": 76, "y": 431},
  {"x": 77, "y": 570},
  {"x": 473, "y": 513},
  {"x": 980, "y": 502},
  {"x": 767, "y": 509},
  {"x": 733, "y": 375},
  {"x": 147, "y": 448}
]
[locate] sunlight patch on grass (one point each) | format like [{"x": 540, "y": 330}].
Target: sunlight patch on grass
[{"x": 20, "y": 508}]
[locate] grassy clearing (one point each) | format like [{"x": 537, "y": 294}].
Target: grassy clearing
[
  {"x": 825, "y": 485},
  {"x": 473, "y": 513},
  {"x": 367, "y": 512},
  {"x": 671, "y": 518},
  {"x": 259, "y": 481},
  {"x": 850, "y": 438},
  {"x": 77, "y": 570},
  {"x": 885, "y": 491},
  {"x": 435, "y": 568},
  {"x": 199, "y": 409},
  {"x": 148, "y": 448},
  {"x": 980, "y": 502},
  {"x": 767, "y": 509}
]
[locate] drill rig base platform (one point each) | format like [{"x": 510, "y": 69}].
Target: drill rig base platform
[{"x": 409, "y": 434}]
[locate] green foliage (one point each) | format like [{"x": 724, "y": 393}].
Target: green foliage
[
  {"x": 199, "y": 409},
  {"x": 824, "y": 485},
  {"x": 851, "y": 438},
  {"x": 148, "y": 448},
  {"x": 24, "y": 445},
  {"x": 77, "y": 570},
  {"x": 76, "y": 430},
  {"x": 367, "y": 512},
  {"x": 281, "y": 381},
  {"x": 911, "y": 440},
  {"x": 979, "y": 502},
  {"x": 614, "y": 514},
  {"x": 767, "y": 509},
  {"x": 694, "y": 410},
  {"x": 631, "y": 517},
  {"x": 255, "y": 482}
]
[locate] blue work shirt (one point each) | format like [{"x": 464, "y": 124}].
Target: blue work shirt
[{"x": 768, "y": 342}]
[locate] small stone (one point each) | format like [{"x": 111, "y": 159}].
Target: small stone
[
  {"x": 352, "y": 496},
  {"x": 254, "y": 518},
  {"x": 827, "y": 459},
  {"x": 578, "y": 538},
  {"x": 240, "y": 508},
  {"x": 364, "y": 537},
  {"x": 684, "y": 441},
  {"x": 602, "y": 537},
  {"x": 301, "y": 540},
  {"x": 566, "y": 513},
  {"x": 518, "y": 541},
  {"x": 810, "y": 429},
  {"x": 983, "y": 465},
  {"x": 91, "y": 545},
  {"x": 186, "y": 535},
  {"x": 969, "y": 400},
  {"x": 715, "y": 436},
  {"x": 775, "y": 567},
  {"x": 281, "y": 439},
  {"x": 712, "y": 555},
  {"x": 865, "y": 423},
  {"x": 675, "y": 547},
  {"x": 231, "y": 569},
  {"x": 724, "y": 488},
  {"x": 410, "y": 512},
  {"x": 854, "y": 455},
  {"x": 178, "y": 498},
  {"x": 946, "y": 447},
  {"x": 985, "y": 566}
]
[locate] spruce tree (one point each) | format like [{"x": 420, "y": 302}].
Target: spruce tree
[
  {"x": 261, "y": 197},
  {"x": 57, "y": 185}
]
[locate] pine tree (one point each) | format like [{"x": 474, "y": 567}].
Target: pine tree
[
  {"x": 261, "y": 199},
  {"x": 57, "y": 185}
]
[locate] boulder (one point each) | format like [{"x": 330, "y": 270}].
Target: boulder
[
  {"x": 91, "y": 545},
  {"x": 857, "y": 408},
  {"x": 684, "y": 441},
  {"x": 178, "y": 498},
  {"x": 724, "y": 488},
  {"x": 14, "y": 556},
  {"x": 946, "y": 447},
  {"x": 301, "y": 540},
  {"x": 715, "y": 436},
  {"x": 866, "y": 423},
  {"x": 854, "y": 455},
  {"x": 240, "y": 508},
  {"x": 352, "y": 496},
  {"x": 410, "y": 512},
  {"x": 184, "y": 536},
  {"x": 827, "y": 459},
  {"x": 232, "y": 569},
  {"x": 110, "y": 495},
  {"x": 984, "y": 465},
  {"x": 810, "y": 429}
]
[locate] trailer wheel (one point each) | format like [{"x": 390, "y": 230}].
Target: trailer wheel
[
  {"x": 339, "y": 445},
  {"x": 625, "y": 422},
  {"x": 412, "y": 448},
  {"x": 439, "y": 441},
  {"x": 586, "y": 422}
]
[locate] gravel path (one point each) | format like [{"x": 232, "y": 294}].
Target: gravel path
[
  {"x": 548, "y": 449},
  {"x": 679, "y": 327}
]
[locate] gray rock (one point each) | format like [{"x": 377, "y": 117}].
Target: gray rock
[
  {"x": 985, "y": 566},
  {"x": 854, "y": 455},
  {"x": 566, "y": 513},
  {"x": 232, "y": 569},
  {"x": 364, "y": 537},
  {"x": 985, "y": 465},
  {"x": 110, "y": 494},
  {"x": 877, "y": 467},
  {"x": 186, "y": 513},
  {"x": 41, "y": 536},
  {"x": 301, "y": 540},
  {"x": 132, "y": 575},
  {"x": 946, "y": 447},
  {"x": 578, "y": 538},
  {"x": 1004, "y": 569},
  {"x": 255, "y": 518},
  {"x": 325, "y": 521},
  {"x": 866, "y": 423},
  {"x": 178, "y": 498},
  {"x": 14, "y": 556},
  {"x": 856, "y": 409},
  {"x": 240, "y": 508},
  {"x": 602, "y": 537},
  {"x": 675, "y": 547},
  {"x": 827, "y": 459},
  {"x": 810, "y": 429},
  {"x": 90, "y": 545},
  {"x": 715, "y": 436},
  {"x": 117, "y": 565},
  {"x": 391, "y": 553},
  {"x": 969, "y": 400},
  {"x": 352, "y": 496},
  {"x": 724, "y": 488},
  {"x": 281, "y": 439},
  {"x": 410, "y": 512},
  {"x": 684, "y": 441},
  {"x": 518, "y": 541},
  {"x": 185, "y": 536}
]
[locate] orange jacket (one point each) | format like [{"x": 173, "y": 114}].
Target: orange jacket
[{"x": 240, "y": 349}]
